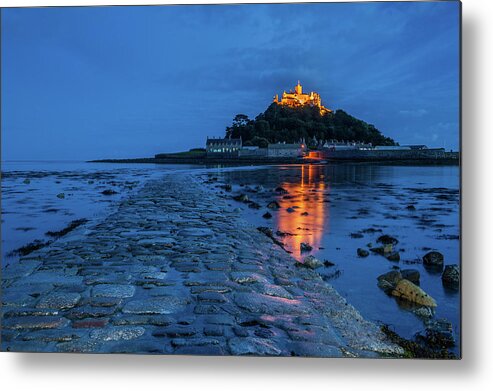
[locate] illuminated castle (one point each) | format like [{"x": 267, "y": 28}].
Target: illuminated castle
[{"x": 297, "y": 98}]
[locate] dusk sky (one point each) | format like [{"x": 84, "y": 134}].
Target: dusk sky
[{"x": 115, "y": 82}]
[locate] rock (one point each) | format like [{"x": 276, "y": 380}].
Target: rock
[
  {"x": 311, "y": 262},
  {"x": 433, "y": 260},
  {"x": 26, "y": 181},
  {"x": 113, "y": 290},
  {"x": 157, "y": 305},
  {"x": 274, "y": 205},
  {"x": 268, "y": 232},
  {"x": 90, "y": 323},
  {"x": 408, "y": 291},
  {"x": 108, "y": 192},
  {"x": 34, "y": 322},
  {"x": 283, "y": 234},
  {"x": 253, "y": 346},
  {"x": 117, "y": 333},
  {"x": 411, "y": 275},
  {"x": 253, "y": 205},
  {"x": 241, "y": 198},
  {"x": 438, "y": 334},
  {"x": 59, "y": 300},
  {"x": 247, "y": 278},
  {"x": 393, "y": 256},
  {"x": 290, "y": 210},
  {"x": 304, "y": 214},
  {"x": 411, "y": 207},
  {"x": 267, "y": 215},
  {"x": 377, "y": 250},
  {"x": 227, "y": 187},
  {"x": 356, "y": 235},
  {"x": 362, "y": 252},
  {"x": 328, "y": 263},
  {"x": 280, "y": 190},
  {"x": 423, "y": 312},
  {"x": 387, "y": 239},
  {"x": 388, "y": 281},
  {"x": 451, "y": 277},
  {"x": 305, "y": 247},
  {"x": 61, "y": 195}
]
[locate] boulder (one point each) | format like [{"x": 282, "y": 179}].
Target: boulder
[
  {"x": 411, "y": 207},
  {"x": 388, "y": 281},
  {"x": 304, "y": 214},
  {"x": 241, "y": 198},
  {"x": 387, "y": 239},
  {"x": 362, "y": 252},
  {"x": 406, "y": 290},
  {"x": 423, "y": 312},
  {"x": 290, "y": 210},
  {"x": 311, "y": 262},
  {"x": 26, "y": 181},
  {"x": 61, "y": 195},
  {"x": 411, "y": 275},
  {"x": 393, "y": 256},
  {"x": 438, "y": 334},
  {"x": 304, "y": 247},
  {"x": 267, "y": 215},
  {"x": 253, "y": 205},
  {"x": 274, "y": 205},
  {"x": 451, "y": 277},
  {"x": 433, "y": 260},
  {"x": 108, "y": 192}
]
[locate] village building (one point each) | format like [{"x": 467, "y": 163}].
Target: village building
[
  {"x": 297, "y": 98},
  {"x": 253, "y": 151},
  {"x": 223, "y": 147},
  {"x": 285, "y": 150}
]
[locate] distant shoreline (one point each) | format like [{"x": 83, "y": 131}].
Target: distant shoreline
[{"x": 275, "y": 161}]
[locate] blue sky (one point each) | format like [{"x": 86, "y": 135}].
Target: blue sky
[{"x": 95, "y": 82}]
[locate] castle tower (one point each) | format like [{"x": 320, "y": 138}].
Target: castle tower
[{"x": 298, "y": 88}]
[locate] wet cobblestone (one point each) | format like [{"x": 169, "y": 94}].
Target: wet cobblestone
[{"x": 176, "y": 271}]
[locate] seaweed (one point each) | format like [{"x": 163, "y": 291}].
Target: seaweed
[{"x": 73, "y": 225}]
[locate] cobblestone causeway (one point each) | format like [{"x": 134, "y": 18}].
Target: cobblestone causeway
[{"x": 175, "y": 270}]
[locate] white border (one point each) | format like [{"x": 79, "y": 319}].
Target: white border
[{"x": 76, "y": 372}]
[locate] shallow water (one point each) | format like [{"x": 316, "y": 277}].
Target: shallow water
[
  {"x": 30, "y": 206},
  {"x": 341, "y": 200}
]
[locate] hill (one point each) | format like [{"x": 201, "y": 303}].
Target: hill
[{"x": 290, "y": 124}]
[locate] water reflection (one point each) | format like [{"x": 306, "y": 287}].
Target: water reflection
[{"x": 303, "y": 213}]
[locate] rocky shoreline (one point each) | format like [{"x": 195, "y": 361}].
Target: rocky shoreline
[{"x": 175, "y": 270}]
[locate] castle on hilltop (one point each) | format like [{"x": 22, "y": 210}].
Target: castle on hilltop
[{"x": 297, "y": 98}]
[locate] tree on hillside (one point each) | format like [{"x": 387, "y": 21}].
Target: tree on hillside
[{"x": 290, "y": 124}]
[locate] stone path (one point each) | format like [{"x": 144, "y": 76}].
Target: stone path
[{"x": 176, "y": 271}]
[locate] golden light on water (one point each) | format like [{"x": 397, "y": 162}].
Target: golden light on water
[{"x": 307, "y": 197}]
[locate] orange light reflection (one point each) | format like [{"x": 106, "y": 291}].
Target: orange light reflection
[{"x": 307, "y": 196}]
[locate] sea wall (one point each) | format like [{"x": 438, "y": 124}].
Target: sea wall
[{"x": 383, "y": 155}]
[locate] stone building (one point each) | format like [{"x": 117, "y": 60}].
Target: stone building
[
  {"x": 223, "y": 147},
  {"x": 285, "y": 150},
  {"x": 297, "y": 98}
]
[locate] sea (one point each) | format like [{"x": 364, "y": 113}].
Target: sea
[{"x": 335, "y": 208}]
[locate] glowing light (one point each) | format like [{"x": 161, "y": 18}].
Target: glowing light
[{"x": 309, "y": 220}]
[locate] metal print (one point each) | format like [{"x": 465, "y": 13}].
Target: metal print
[{"x": 267, "y": 180}]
